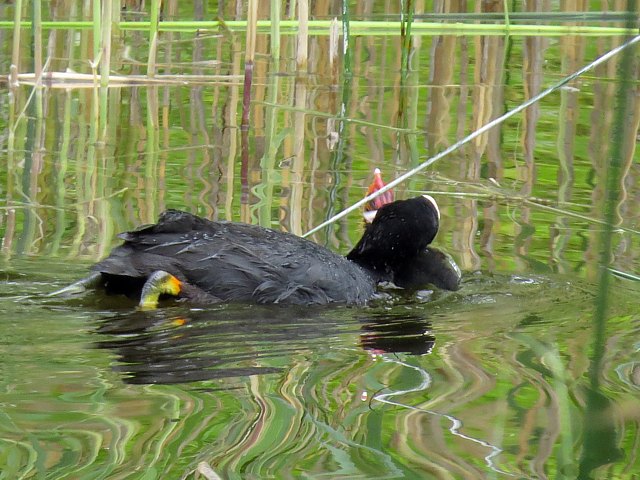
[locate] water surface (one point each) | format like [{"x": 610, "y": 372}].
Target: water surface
[{"x": 506, "y": 378}]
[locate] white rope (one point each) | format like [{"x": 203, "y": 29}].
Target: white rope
[{"x": 475, "y": 134}]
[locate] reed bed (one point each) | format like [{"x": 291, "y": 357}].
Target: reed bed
[
  {"x": 411, "y": 24},
  {"x": 305, "y": 149}
]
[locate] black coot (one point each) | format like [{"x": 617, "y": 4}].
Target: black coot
[
  {"x": 206, "y": 261},
  {"x": 428, "y": 267}
]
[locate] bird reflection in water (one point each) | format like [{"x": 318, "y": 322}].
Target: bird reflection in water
[
  {"x": 397, "y": 333},
  {"x": 176, "y": 345}
]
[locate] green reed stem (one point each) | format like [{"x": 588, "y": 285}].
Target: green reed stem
[
  {"x": 404, "y": 101},
  {"x": 600, "y": 444},
  {"x": 152, "y": 146},
  {"x": 97, "y": 30},
  {"x": 152, "y": 159},
  {"x": 153, "y": 36},
  {"x": 13, "y": 119},
  {"x": 61, "y": 172},
  {"x": 323, "y": 27},
  {"x": 340, "y": 161},
  {"x": 275, "y": 31},
  {"x": 81, "y": 201},
  {"x": 406, "y": 20},
  {"x": 410, "y": 99},
  {"x": 272, "y": 142},
  {"x": 37, "y": 56},
  {"x": 105, "y": 67},
  {"x": 507, "y": 21},
  {"x": 612, "y": 194}
]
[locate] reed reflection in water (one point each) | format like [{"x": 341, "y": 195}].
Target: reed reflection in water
[
  {"x": 524, "y": 184},
  {"x": 252, "y": 392},
  {"x": 294, "y": 388}
]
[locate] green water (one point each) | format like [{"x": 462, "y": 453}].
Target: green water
[{"x": 492, "y": 381}]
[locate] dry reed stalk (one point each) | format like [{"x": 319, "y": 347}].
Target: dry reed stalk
[
  {"x": 300, "y": 102},
  {"x": 299, "y": 157},
  {"x": 86, "y": 80},
  {"x": 37, "y": 51},
  {"x": 15, "y": 51},
  {"x": 232, "y": 122},
  {"x": 303, "y": 35},
  {"x": 334, "y": 38},
  {"x": 250, "y": 50}
]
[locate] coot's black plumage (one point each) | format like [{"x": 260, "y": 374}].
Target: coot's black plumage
[
  {"x": 430, "y": 267},
  {"x": 208, "y": 261},
  {"x": 427, "y": 266},
  {"x": 399, "y": 233},
  {"x": 236, "y": 262}
]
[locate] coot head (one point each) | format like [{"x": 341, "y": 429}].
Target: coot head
[
  {"x": 397, "y": 261},
  {"x": 400, "y": 231}
]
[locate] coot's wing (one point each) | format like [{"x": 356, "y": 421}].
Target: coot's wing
[
  {"x": 191, "y": 248},
  {"x": 153, "y": 247},
  {"x": 235, "y": 261},
  {"x": 246, "y": 262}
]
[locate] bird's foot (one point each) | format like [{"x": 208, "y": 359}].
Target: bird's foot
[{"x": 158, "y": 283}]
